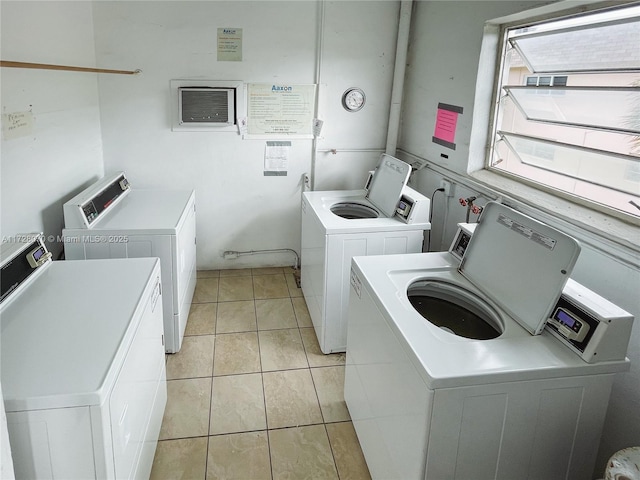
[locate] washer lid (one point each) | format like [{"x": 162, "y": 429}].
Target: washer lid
[
  {"x": 388, "y": 181},
  {"x": 520, "y": 263}
]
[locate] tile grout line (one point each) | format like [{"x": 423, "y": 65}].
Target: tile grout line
[
  {"x": 315, "y": 388},
  {"x": 206, "y": 458},
  {"x": 264, "y": 393},
  {"x": 266, "y": 421},
  {"x": 239, "y": 374},
  {"x": 335, "y": 464},
  {"x": 324, "y": 422},
  {"x": 215, "y": 332}
]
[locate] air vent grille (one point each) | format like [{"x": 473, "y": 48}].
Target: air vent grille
[{"x": 205, "y": 105}]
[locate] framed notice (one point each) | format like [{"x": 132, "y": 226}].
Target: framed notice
[{"x": 280, "y": 110}]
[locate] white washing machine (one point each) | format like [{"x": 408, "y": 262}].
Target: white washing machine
[
  {"x": 110, "y": 219},
  {"x": 83, "y": 363},
  {"x": 386, "y": 218},
  {"x": 450, "y": 372}
]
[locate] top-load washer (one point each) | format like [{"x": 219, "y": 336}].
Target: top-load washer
[
  {"x": 83, "y": 363},
  {"x": 450, "y": 372},
  {"x": 385, "y": 218},
  {"x": 110, "y": 219}
]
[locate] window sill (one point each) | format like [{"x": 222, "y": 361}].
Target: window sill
[{"x": 607, "y": 229}]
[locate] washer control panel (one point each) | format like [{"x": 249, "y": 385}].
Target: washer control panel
[
  {"x": 19, "y": 260},
  {"x": 38, "y": 255},
  {"x": 404, "y": 207},
  {"x": 89, "y": 206},
  {"x": 591, "y": 326},
  {"x": 462, "y": 239},
  {"x": 102, "y": 200},
  {"x": 572, "y": 325},
  {"x": 413, "y": 207},
  {"x": 367, "y": 184}
]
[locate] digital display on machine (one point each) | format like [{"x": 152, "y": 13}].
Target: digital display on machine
[
  {"x": 37, "y": 254},
  {"x": 462, "y": 244},
  {"x": 564, "y": 318},
  {"x": 404, "y": 208},
  {"x": 572, "y": 323}
]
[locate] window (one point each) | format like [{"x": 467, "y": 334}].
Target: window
[{"x": 568, "y": 111}]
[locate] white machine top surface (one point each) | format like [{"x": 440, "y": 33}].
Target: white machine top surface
[
  {"x": 322, "y": 201},
  {"x": 63, "y": 317},
  {"x": 519, "y": 263},
  {"x": 389, "y": 179},
  {"x": 151, "y": 211},
  {"x": 446, "y": 360}
]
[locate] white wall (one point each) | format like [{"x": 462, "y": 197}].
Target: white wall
[
  {"x": 358, "y": 50},
  {"x": 444, "y": 54},
  {"x": 238, "y": 208},
  {"x": 63, "y": 151},
  {"x": 442, "y": 64}
]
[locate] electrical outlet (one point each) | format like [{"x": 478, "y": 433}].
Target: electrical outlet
[{"x": 448, "y": 187}]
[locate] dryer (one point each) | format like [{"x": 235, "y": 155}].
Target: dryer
[
  {"x": 83, "y": 363},
  {"x": 385, "y": 218},
  {"x": 451, "y": 373},
  {"x": 110, "y": 219}
]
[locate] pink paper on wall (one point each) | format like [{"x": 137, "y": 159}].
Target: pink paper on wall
[{"x": 446, "y": 121}]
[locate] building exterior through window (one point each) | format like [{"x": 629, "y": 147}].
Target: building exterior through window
[{"x": 567, "y": 113}]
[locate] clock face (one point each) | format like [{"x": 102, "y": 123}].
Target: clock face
[{"x": 353, "y": 99}]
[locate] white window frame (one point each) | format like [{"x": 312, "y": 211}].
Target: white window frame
[{"x": 565, "y": 205}]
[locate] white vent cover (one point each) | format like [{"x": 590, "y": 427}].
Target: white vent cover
[{"x": 206, "y": 105}]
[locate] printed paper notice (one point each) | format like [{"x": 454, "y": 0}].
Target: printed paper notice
[
  {"x": 229, "y": 44},
  {"x": 276, "y": 158},
  {"x": 280, "y": 109},
  {"x": 446, "y": 122}
]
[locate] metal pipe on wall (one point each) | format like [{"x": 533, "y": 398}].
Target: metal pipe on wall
[
  {"x": 318, "y": 77},
  {"x": 402, "y": 47}
]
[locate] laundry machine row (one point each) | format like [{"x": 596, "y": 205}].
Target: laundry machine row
[
  {"x": 387, "y": 217},
  {"x": 110, "y": 219},
  {"x": 484, "y": 362},
  {"x": 83, "y": 363}
]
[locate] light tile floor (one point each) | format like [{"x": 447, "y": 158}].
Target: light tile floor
[{"x": 250, "y": 394}]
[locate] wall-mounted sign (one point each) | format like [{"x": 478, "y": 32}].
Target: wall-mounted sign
[
  {"x": 446, "y": 122},
  {"x": 229, "y": 44},
  {"x": 280, "y": 110},
  {"x": 276, "y": 159}
]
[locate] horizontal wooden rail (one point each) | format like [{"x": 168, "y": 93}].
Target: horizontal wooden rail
[{"x": 45, "y": 66}]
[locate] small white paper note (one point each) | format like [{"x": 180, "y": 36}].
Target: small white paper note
[
  {"x": 16, "y": 125},
  {"x": 276, "y": 158}
]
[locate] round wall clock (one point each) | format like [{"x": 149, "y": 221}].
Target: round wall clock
[{"x": 353, "y": 99}]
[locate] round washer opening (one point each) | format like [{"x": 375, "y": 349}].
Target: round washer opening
[
  {"x": 455, "y": 309},
  {"x": 353, "y": 210}
]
